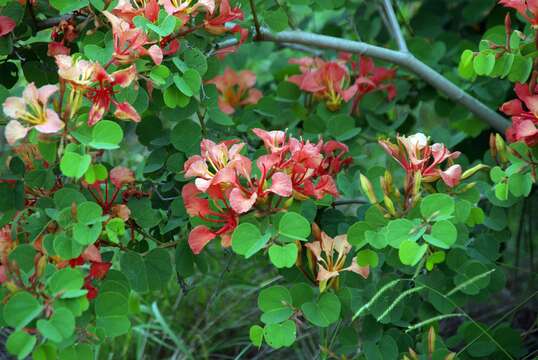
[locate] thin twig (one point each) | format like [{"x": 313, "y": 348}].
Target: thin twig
[
  {"x": 394, "y": 26},
  {"x": 256, "y": 22}
]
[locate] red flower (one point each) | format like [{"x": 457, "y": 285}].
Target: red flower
[
  {"x": 102, "y": 95},
  {"x": 327, "y": 81},
  {"x": 523, "y": 121},
  {"x": 236, "y": 89},
  {"x": 415, "y": 154},
  {"x": 7, "y": 25},
  {"x": 215, "y": 22},
  {"x": 526, "y": 8},
  {"x": 371, "y": 78},
  {"x": 98, "y": 270},
  {"x": 225, "y": 218},
  {"x": 130, "y": 43}
]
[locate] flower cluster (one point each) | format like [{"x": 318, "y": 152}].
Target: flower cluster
[
  {"x": 330, "y": 255},
  {"x": 416, "y": 155},
  {"x": 334, "y": 83},
  {"x": 91, "y": 80},
  {"x": 218, "y": 18},
  {"x": 236, "y": 89},
  {"x": 225, "y": 187},
  {"x": 524, "y": 118}
]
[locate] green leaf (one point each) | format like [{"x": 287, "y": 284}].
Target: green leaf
[
  {"x": 356, "y": 234},
  {"x": 283, "y": 256},
  {"x": 410, "y": 252},
  {"x": 182, "y": 85},
  {"x": 497, "y": 174},
  {"x": 196, "y": 60},
  {"x": 465, "y": 68},
  {"x": 193, "y": 79},
  {"x": 159, "y": 74},
  {"x": 437, "y": 257},
  {"x": 437, "y": 207},
  {"x": 294, "y": 226},
  {"x": 24, "y": 256},
  {"x": 520, "y": 184},
  {"x": 256, "y": 335},
  {"x": 21, "y": 309},
  {"x": 65, "y": 280},
  {"x": 143, "y": 213},
  {"x": 114, "y": 229},
  {"x": 89, "y": 212},
  {"x": 106, "y": 135},
  {"x": 367, "y": 257},
  {"x": 521, "y": 69},
  {"x": 47, "y": 351},
  {"x": 484, "y": 63},
  {"x": 114, "y": 325},
  {"x": 159, "y": 268},
  {"x": 96, "y": 172},
  {"x": 324, "y": 312},
  {"x": 280, "y": 335},
  {"x": 133, "y": 267},
  {"x": 276, "y": 20},
  {"x": 276, "y": 304},
  {"x": 501, "y": 191},
  {"x": 402, "y": 229},
  {"x": 74, "y": 165},
  {"x": 20, "y": 344},
  {"x": 65, "y": 247},
  {"x": 110, "y": 304},
  {"x": 86, "y": 234},
  {"x": 59, "y": 327},
  {"x": 186, "y": 136},
  {"x": 245, "y": 237},
  {"x": 65, "y": 6},
  {"x": 443, "y": 234}
]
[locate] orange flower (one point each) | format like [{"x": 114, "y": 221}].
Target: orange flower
[
  {"x": 236, "y": 89},
  {"x": 331, "y": 254}
]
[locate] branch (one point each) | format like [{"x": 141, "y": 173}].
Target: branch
[
  {"x": 394, "y": 26},
  {"x": 404, "y": 59}
]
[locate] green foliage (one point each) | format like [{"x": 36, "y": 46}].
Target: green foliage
[{"x": 111, "y": 224}]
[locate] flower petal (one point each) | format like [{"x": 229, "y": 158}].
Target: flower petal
[
  {"x": 199, "y": 237},
  {"x": 15, "y": 131},
  {"x": 14, "y": 107},
  {"x": 156, "y": 54},
  {"x": 281, "y": 184},
  {"x": 452, "y": 175},
  {"x": 52, "y": 123},
  {"x": 241, "y": 203},
  {"x": 126, "y": 111}
]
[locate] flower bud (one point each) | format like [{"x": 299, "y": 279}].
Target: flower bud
[
  {"x": 467, "y": 187},
  {"x": 389, "y": 205},
  {"x": 41, "y": 266},
  {"x": 387, "y": 184},
  {"x": 492, "y": 146},
  {"x": 431, "y": 340},
  {"x": 368, "y": 189},
  {"x": 470, "y": 172},
  {"x": 500, "y": 145},
  {"x": 288, "y": 203}
]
